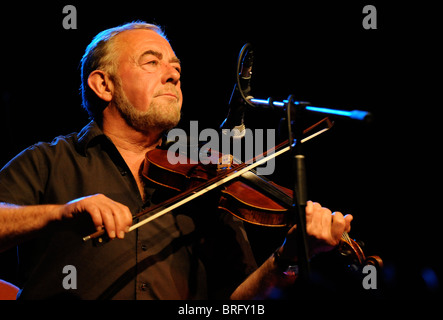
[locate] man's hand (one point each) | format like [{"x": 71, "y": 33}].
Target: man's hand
[
  {"x": 324, "y": 231},
  {"x": 113, "y": 216},
  {"x": 323, "y": 228}
]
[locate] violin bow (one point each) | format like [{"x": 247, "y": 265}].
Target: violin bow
[{"x": 183, "y": 198}]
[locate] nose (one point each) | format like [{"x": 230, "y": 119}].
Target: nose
[{"x": 170, "y": 74}]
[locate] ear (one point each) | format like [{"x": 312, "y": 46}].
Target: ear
[{"x": 101, "y": 84}]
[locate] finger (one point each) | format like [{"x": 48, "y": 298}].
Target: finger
[
  {"x": 122, "y": 219},
  {"x": 348, "y": 218},
  {"x": 326, "y": 225},
  {"x": 97, "y": 219},
  {"x": 320, "y": 217},
  {"x": 127, "y": 217},
  {"x": 338, "y": 227},
  {"x": 313, "y": 219},
  {"x": 312, "y": 206},
  {"x": 309, "y": 206},
  {"x": 317, "y": 205},
  {"x": 115, "y": 211},
  {"x": 309, "y": 209},
  {"x": 108, "y": 221}
]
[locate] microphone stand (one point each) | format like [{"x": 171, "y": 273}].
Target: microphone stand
[
  {"x": 297, "y": 110},
  {"x": 300, "y": 199}
]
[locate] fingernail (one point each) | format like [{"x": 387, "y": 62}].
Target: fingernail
[
  {"x": 112, "y": 234},
  {"x": 121, "y": 234}
]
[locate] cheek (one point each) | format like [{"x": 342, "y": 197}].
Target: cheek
[
  {"x": 181, "y": 98},
  {"x": 139, "y": 94}
]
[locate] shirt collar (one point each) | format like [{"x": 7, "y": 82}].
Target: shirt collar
[{"x": 89, "y": 133}]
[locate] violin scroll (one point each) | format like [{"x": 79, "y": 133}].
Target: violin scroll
[
  {"x": 375, "y": 261},
  {"x": 351, "y": 249}
]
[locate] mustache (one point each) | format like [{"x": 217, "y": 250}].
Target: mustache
[{"x": 168, "y": 90}]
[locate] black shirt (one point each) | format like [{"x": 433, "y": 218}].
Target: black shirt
[{"x": 191, "y": 253}]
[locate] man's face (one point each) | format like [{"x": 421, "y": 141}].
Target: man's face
[{"x": 147, "y": 89}]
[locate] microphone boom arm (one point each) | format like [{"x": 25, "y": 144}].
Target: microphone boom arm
[{"x": 354, "y": 114}]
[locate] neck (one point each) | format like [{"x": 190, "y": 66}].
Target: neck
[
  {"x": 128, "y": 139},
  {"x": 132, "y": 144}
]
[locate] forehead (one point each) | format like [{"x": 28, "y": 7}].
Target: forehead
[{"x": 133, "y": 43}]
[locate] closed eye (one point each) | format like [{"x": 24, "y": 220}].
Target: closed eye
[
  {"x": 179, "y": 70},
  {"x": 153, "y": 62}
]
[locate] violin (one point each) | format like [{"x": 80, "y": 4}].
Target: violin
[
  {"x": 251, "y": 198},
  {"x": 244, "y": 194}
]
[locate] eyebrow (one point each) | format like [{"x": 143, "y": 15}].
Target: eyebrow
[{"x": 159, "y": 56}]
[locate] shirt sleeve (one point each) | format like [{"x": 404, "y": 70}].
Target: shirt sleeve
[{"x": 22, "y": 180}]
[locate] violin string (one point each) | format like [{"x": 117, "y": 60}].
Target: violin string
[
  {"x": 237, "y": 161},
  {"x": 345, "y": 237}
]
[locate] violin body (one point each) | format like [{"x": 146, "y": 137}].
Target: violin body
[
  {"x": 237, "y": 197},
  {"x": 248, "y": 204}
]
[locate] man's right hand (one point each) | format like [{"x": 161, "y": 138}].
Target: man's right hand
[{"x": 105, "y": 213}]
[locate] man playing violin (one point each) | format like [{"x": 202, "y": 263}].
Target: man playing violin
[{"x": 52, "y": 194}]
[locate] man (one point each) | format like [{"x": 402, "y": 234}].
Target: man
[{"x": 53, "y": 194}]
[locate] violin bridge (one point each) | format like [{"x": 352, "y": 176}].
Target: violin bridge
[{"x": 225, "y": 162}]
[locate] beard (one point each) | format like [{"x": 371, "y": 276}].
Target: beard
[{"x": 161, "y": 115}]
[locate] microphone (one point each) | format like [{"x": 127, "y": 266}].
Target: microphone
[{"x": 240, "y": 95}]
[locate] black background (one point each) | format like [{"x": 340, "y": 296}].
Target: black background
[{"x": 386, "y": 174}]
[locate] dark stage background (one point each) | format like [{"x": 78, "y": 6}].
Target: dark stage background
[{"x": 387, "y": 174}]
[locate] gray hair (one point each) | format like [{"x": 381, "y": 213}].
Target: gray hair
[{"x": 100, "y": 54}]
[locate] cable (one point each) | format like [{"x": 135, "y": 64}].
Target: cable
[{"x": 243, "y": 52}]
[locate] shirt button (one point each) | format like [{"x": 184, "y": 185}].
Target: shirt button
[
  {"x": 144, "y": 247},
  {"x": 123, "y": 173}
]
